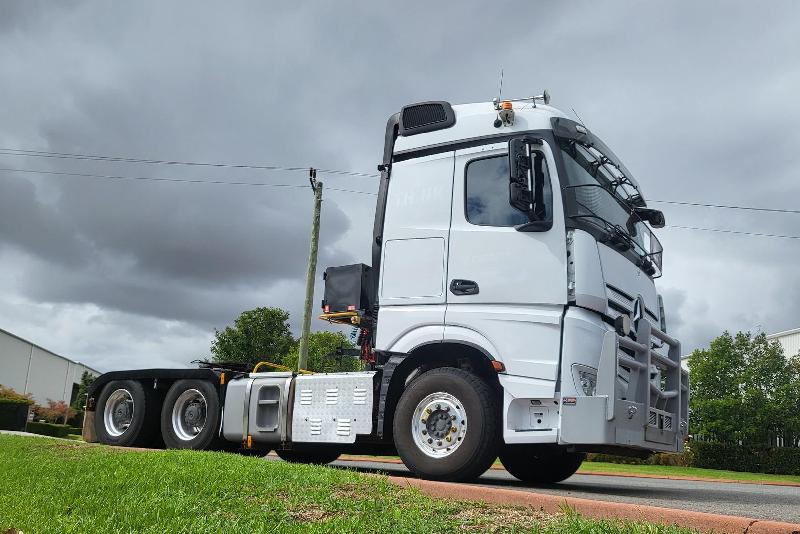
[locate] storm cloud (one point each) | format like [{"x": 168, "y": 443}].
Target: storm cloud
[{"x": 697, "y": 98}]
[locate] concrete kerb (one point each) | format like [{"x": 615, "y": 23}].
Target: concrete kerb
[{"x": 701, "y": 521}]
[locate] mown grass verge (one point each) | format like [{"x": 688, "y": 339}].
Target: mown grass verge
[
  {"x": 694, "y": 472},
  {"x": 51, "y": 485}
]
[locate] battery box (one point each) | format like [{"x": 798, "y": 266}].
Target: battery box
[{"x": 348, "y": 288}]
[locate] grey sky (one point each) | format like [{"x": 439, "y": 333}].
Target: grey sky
[{"x": 698, "y": 99}]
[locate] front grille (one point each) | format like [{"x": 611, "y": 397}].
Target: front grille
[{"x": 621, "y": 302}]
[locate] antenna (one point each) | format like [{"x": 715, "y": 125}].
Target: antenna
[
  {"x": 501, "y": 84},
  {"x": 496, "y": 101},
  {"x": 579, "y": 117}
]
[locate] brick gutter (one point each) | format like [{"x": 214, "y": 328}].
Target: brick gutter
[
  {"x": 348, "y": 458},
  {"x": 701, "y": 521}
]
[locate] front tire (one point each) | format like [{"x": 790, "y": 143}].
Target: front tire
[
  {"x": 537, "y": 464},
  {"x": 190, "y": 416},
  {"x": 126, "y": 414},
  {"x": 446, "y": 425}
]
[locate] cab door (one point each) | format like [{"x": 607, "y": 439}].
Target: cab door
[{"x": 506, "y": 289}]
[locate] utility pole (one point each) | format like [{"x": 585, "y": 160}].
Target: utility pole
[{"x": 311, "y": 276}]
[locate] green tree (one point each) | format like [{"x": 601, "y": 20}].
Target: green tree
[
  {"x": 256, "y": 335},
  {"x": 83, "y": 390},
  {"x": 321, "y": 346},
  {"x": 744, "y": 388}
]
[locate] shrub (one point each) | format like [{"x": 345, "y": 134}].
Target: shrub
[
  {"x": 14, "y": 408},
  {"x": 663, "y": 458},
  {"x": 76, "y": 420},
  {"x": 749, "y": 458},
  {"x": 48, "y": 429},
  {"x": 9, "y": 396},
  {"x": 55, "y": 411}
]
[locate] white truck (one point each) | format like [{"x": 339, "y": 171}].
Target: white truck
[{"x": 510, "y": 311}]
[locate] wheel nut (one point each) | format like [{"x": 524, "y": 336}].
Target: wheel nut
[
  {"x": 453, "y": 429},
  {"x": 424, "y": 432},
  {"x": 448, "y": 438},
  {"x": 430, "y": 440},
  {"x": 424, "y": 420},
  {"x": 452, "y": 417},
  {"x": 439, "y": 443},
  {"x": 438, "y": 406},
  {"x": 447, "y": 408},
  {"x": 428, "y": 411}
]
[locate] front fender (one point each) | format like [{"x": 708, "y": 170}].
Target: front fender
[{"x": 417, "y": 337}]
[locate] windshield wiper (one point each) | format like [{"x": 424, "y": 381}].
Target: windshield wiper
[{"x": 615, "y": 235}]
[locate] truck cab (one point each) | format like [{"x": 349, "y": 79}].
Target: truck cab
[
  {"x": 510, "y": 311},
  {"x": 555, "y": 286}
]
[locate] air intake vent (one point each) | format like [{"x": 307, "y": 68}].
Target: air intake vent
[{"x": 426, "y": 117}]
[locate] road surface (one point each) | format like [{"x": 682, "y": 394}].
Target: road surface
[{"x": 777, "y": 503}]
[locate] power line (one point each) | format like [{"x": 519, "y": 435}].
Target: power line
[
  {"x": 726, "y": 231},
  {"x": 725, "y": 206},
  {"x": 175, "y": 180},
  {"x": 305, "y": 186},
  {"x": 126, "y": 159}
]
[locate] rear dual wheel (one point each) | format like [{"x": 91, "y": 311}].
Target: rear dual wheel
[
  {"x": 126, "y": 414},
  {"x": 318, "y": 456},
  {"x": 190, "y": 416}
]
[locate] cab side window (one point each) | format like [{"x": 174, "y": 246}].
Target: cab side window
[{"x": 487, "y": 192}]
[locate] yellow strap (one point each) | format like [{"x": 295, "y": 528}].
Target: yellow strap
[{"x": 280, "y": 368}]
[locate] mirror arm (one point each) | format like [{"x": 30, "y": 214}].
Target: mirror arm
[{"x": 535, "y": 226}]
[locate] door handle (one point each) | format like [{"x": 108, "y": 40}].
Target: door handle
[{"x": 463, "y": 287}]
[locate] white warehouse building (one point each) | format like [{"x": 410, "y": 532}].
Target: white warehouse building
[
  {"x": 29, "y": 368},
  {"x": 789, "y": 340}
]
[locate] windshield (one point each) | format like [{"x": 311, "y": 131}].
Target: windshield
[{"x": 604, "y": 198}]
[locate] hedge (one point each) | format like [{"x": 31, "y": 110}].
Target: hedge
[
  {"x": 664, "y": 458},
  {"x": 13, "y": 414},
  {"x": 753, "y": 459},
  {"x": 49, "y": 429}
]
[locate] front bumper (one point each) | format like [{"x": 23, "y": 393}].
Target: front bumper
[{"x": 640, "y": 412}]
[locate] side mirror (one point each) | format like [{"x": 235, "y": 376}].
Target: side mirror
[
  {"x": 654, "y": 217},
  {"x": 519, "y": 165}
]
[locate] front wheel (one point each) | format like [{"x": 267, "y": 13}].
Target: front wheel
[
  {"x": 538, "y": 464},
  {"x": 190, "y": 416},
  {"x": 446, "y": 425}
]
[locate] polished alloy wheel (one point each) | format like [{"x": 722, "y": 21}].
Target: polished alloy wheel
[
  {"x": 189, "y": 414},
  {"x": 118, "y": 412},
  {"x": 439, "y": 424}
]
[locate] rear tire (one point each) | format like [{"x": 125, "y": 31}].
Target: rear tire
[
  {"x": 544, "y": 465},
  {"x": 446, "y": 425},
  {"x": 126, "y": 414},
  {"x": 190, "y": 416},
  {"x": 301, "y": 456}
]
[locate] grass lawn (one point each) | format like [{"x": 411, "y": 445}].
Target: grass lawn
[
  {"x": 696, "y": 472},
  {"x": 60, "y": 486}
]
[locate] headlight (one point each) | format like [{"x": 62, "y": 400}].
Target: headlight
[{"x": 585, "y": 379}]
